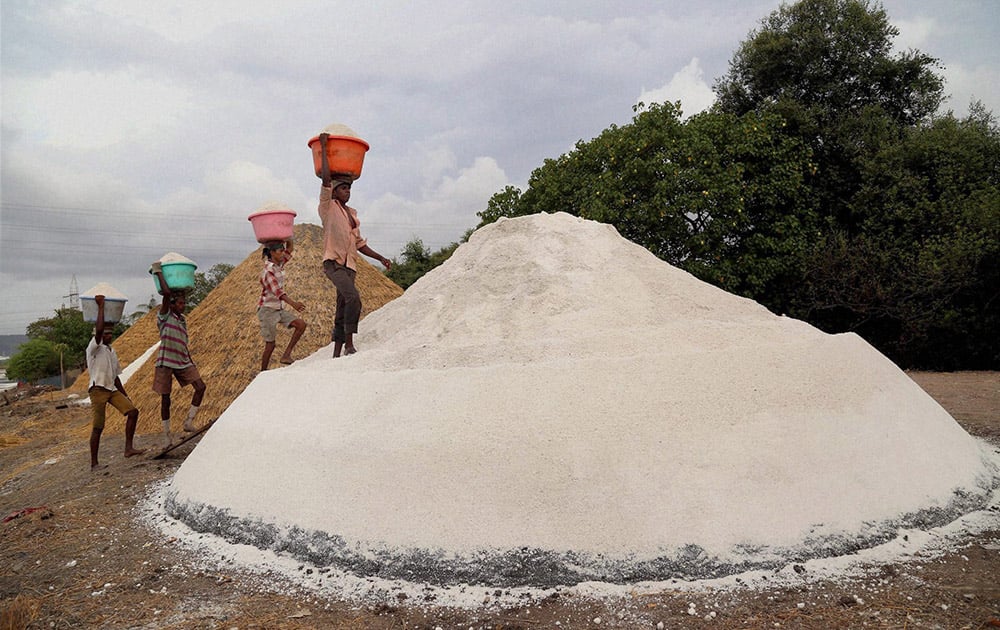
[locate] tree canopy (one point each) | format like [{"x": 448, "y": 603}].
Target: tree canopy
[
  {"x": 68, "y": 328},
  {"x": 823, "y": 183},
  {"x": 34, "y": 360},
  {"x": 416, "y": 260}
]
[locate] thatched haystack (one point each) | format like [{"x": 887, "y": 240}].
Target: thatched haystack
[{"x": 225, "y": 336}]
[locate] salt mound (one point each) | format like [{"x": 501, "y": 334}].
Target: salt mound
[
  {"x": 554, "y": 404},
  {"x": 338, "y": 129},
  {"x": 105, "y": 289},
  {"x": 274, "y": 206},
  {"x": 174, "y": 257}
]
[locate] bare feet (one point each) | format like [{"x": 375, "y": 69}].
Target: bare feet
[
  {"x": 132, "y": 452},
  {"x": 287, "y": 360},
  {"x": 349, "y": 350},
  {"x": 94, "y": 467},
  {"x": 166, "y": 439},
  {"x": 189, "y": 428}
]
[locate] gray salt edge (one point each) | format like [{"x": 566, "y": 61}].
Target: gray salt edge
[{"x": 541, "y": 568}]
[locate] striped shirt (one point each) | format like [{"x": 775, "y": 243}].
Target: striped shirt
[
  {"x": 173, "y": 341},
  {"x": 272, "y": 279}
]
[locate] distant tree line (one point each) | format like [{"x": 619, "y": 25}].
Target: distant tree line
[{"x": 822, "y": 184}]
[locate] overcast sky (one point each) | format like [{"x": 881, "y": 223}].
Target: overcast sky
[{"x": 131, "y": 129}]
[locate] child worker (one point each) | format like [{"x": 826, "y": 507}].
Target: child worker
[
  {"x": 271, "y": 308},
  {"x": 173, "y": 360},
  {"x": 106, "y": 388},
  {"x": 342, "y": 241}
]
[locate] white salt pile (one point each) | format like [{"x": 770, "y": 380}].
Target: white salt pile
[
  {"x": 174, "y": 257},
  {"x": 554, "y": 404},
  {"x": 105, "y": 289}
]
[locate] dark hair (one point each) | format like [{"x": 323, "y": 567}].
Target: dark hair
[{"x": 271, "y": 247}]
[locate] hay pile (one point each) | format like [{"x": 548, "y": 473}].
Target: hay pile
[{"x": 224, "y": 334}]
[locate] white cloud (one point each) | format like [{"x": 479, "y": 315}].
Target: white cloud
[
  {"x": 963, "y": 85},
  {"x": 180, "y": 20},
  {"x": 439, "y": 215},
  {"x": 914, "y": 32},
  {"x": 93, "y": 110},
  {"x": 687, "y": 86}
]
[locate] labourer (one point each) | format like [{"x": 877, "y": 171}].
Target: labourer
[
  {"x": 342, "y": 241},
  {"x": 270, "y": 306},
  {"x": 173, "y": 360},
  {"x": 106, "y": 387}
]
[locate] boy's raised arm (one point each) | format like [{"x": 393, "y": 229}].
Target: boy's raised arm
[
  {"x": 99, "y": 332},
  {"x": 157, "y": 268},
  {"x": 324, "y": 163}
]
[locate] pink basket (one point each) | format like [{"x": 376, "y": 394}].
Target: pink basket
[{"x": 272, "y": 225}]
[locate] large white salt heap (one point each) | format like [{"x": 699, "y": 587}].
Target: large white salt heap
[{"x": 555, "y": 404}]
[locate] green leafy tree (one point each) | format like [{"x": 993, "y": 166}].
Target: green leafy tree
[
  {"x": 35, "y": 359},
  {"x": 827, "y": 67},
  {"x": 721, "y": 196},
  {"x": 501, "y": 204},
  {"x": 920, "y": 278},
  {"x": 821, "y": 185},
  {"x": 68, "y": 328},
  {"x": 417, "y": 259},
  {"x": 205, "y": 282}
]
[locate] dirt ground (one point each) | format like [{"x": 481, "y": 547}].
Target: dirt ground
[{"x": 75, "y": 555}]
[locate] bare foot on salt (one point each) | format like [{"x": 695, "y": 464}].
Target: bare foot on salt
[{"x": 132, "y": 452}]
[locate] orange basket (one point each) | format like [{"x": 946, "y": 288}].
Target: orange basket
[{"x": 345, "y": 155}]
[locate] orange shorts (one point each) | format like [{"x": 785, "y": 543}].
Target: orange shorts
[{"x": 163, "y": 378}]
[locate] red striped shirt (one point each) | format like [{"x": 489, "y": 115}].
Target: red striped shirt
[{"x": 173, "y": 351}]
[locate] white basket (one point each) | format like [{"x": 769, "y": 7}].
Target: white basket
[
  {"x": 114, "y": 303},
  {"x": 113, "y": 310}
]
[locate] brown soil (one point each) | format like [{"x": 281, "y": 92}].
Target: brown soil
[{"x": 84, "y": 559}]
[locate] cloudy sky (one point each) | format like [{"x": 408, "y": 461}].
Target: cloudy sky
[{"x": 131, "y": 129}]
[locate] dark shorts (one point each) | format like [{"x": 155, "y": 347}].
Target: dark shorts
[{"x": 164, "y": 377}]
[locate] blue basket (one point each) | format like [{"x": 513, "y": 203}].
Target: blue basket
[{"x": 179, "y": 275}]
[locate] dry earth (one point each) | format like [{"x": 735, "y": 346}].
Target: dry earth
[{"x": 75, "y": 555}]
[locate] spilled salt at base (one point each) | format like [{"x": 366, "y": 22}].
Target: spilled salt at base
[{"x": 554, "y": 404}]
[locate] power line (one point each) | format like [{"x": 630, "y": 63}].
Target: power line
[{"x": 226, "y": 218}]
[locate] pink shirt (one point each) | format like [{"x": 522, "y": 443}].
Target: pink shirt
[{"x": 341, "y": 230}]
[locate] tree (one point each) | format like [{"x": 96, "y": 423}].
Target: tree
[
  {"x": 204, "y": 283},
  {"x": 34, "y": 360},
  {"x": 501, "y": 204},
  {"x": 920, "y": 278},
  {"x": 68, "y": 328},
  {"x": 418, "y": 260},
  {"x": 821, "y": 185},
  {"x": 826, "y": 66},
  {"x": 721, "y": 196}
]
